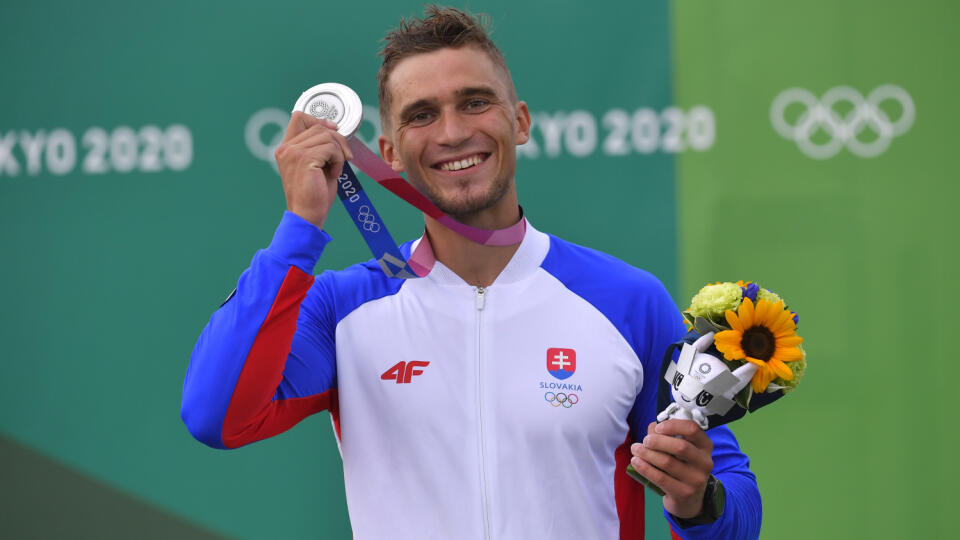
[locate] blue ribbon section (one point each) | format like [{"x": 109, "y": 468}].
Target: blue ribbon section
[{"x": 368, "y": 222}]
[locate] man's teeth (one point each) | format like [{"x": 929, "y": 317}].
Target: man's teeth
[{"x": 461, "y": 164}]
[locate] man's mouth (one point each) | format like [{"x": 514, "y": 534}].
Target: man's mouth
[{"x": 460, "y": 164}]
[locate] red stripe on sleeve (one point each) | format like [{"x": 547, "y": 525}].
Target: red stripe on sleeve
[
  {"x": 253, "y": 414},
  {"x": 629, "y": 496}
]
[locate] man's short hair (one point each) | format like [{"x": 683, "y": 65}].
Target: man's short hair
[{"x": 440, "y": 28}]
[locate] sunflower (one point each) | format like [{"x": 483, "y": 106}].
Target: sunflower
[{"x": 764, "y": 335}]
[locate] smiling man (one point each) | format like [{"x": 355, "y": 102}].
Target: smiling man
[
  {"x": 496, "y": 397},
  {"x": 458, "y": 133}
]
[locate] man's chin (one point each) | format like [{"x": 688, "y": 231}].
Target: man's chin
[
  {"x": 463, "y": 210},
  {"x": 465, "y": 206}
]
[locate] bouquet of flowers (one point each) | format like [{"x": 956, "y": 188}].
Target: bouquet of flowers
[
  {"x": 751, "y": 325},
  {"x": 754, "y": 333}
]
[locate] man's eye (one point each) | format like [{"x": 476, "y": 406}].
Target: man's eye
[
  {"x": 420, "y": 118},
  {"x": 477, "y": 105}
]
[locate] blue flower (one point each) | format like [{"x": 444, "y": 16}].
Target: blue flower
[{"x": 750, "y": 291}]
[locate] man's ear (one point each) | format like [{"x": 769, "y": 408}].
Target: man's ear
[
  {"x": 389, "y": 153},
  {"x": 523, "y": 122}
]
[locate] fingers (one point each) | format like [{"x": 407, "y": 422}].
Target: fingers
[
  {"x": 303, "y": 126},
  {"x": 311, "y": 154},
  {"x": 673, "y": 467},
  {"x": 676, "y": 456},
  {"x": 672, "y": 487},
  {"x": 320, "y": 154},
  {"x": 681, "y": 440},
  {"x": 310, "y": 159},
  {"x": 300, "y": 122},
  {"x": 319, "y": 135},
  {"x": 687, "y": 429},
  {"x": 317, "y": 147}
]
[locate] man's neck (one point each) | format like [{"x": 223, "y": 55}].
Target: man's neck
[{"x": 476, "y": 264}]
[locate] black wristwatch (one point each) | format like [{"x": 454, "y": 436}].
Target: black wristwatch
[{"x": 713, "y": 500}]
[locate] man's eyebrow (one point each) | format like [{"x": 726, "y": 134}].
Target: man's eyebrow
[{"x": 476, "y": 91}]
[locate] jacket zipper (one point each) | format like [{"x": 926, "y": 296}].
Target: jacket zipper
[{"x": 485, "y": 503}]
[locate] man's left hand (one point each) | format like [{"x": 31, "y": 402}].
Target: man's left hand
[{"x": 676, "y": 456}]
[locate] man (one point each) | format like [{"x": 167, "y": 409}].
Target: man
[{"x": 497, "y": 396}]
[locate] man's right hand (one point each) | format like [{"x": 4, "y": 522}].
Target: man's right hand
[{"x": 310, "y": 160}]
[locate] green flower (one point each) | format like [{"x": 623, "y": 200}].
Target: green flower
[
  {"x": 797, "y": 367},
  {"x": 713, "y": 301},
  {"x": 769, "y": 296}
]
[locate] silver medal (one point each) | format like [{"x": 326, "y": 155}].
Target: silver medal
[{"x": 334, "y": 102}]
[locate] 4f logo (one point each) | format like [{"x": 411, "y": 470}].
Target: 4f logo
[
  {"x": 403, "y": 372},
  {"x": 561, "y": 363}
]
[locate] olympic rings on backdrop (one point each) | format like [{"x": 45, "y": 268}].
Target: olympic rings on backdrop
[
  {"x": 821, "y": 115},
  {"x": 276, "y": 120},
  {"x": 558, "y": 399}
]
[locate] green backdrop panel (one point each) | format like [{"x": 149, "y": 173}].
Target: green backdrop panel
[
  {"x": 135, "y": 186},
  {"x": 842, "y": 204}
]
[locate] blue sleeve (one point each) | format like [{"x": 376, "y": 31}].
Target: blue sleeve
[
  {"x": 743, "y": 510},
  {"x": 657, "y": 324},
  {"x": 263, "y": 363}
]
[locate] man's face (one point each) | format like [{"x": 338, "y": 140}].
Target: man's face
[{"x": 453, "y": 127}]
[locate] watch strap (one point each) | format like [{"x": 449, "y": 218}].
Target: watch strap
[{"x": 714, "y": 499}]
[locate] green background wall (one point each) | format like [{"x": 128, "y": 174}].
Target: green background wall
[
  {"x": 652, "y": 140},
  {"x": 863, "y": 247}
]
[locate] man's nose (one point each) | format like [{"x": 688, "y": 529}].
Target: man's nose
[{"x": 453, "y": 130}]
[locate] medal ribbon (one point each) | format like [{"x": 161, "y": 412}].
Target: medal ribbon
[{"x": 375, "y": 233}]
